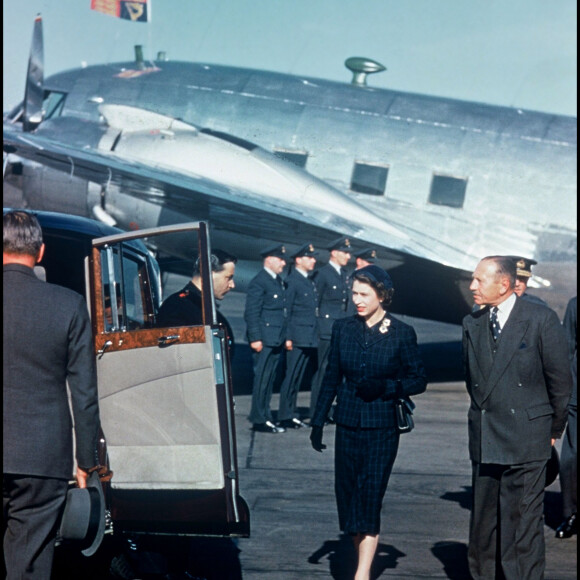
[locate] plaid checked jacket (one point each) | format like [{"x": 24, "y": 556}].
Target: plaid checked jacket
[{"x": 364, "y": 357}]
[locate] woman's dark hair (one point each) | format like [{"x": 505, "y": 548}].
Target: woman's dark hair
[
  {"x": 22, "y": 233},
  {"x": 382, "y": 285}
]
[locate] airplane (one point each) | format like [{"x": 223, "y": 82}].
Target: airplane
[{"x": 433, "y": 183}]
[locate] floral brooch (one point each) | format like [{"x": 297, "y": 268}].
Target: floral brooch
[{"x": 384, "y": 327}]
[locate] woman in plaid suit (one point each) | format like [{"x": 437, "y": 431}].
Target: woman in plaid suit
[{"x": 370, "y": 353}]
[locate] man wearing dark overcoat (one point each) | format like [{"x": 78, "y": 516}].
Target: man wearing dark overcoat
[
  {"x": 265, "y": 316},
  {"x": 47, "y": 342},
  {"x": 302, "y": 333},
  {"x": 518, "y": 379}
]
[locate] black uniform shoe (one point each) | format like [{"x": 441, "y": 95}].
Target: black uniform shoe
[
  {"x": 293, "y": 423},
  {"x": 567, "y": 528},
  {"x": 268, "y": 427}
]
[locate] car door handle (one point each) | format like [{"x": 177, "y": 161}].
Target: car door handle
[
  {"x": 107, "y": 344},
  {"x": 167, "y": 340}
]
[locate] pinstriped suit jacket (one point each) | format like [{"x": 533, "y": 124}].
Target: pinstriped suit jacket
[
  {"x": 360, "y": 357},
  {"x": 519, "y": 395}
]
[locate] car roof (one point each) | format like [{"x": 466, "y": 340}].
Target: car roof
[{"x": 71, "y": 223}]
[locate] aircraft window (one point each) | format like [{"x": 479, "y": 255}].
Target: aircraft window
[
  {"x": 447, "y": 190},
  {"x": 370, "y": 179},
  {"x": 53, "y": 104},
  {"x": 299, "y": 158}
]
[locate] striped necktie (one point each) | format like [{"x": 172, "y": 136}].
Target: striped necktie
[{"x": 494, "y": 324}]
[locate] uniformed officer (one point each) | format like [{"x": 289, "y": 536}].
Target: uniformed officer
[
  {"x": 265, "y": 317},
  {"x": 333, "y": 288},
  {"x": 302, "y": 334},
  {"x": 365, "y": 257},
  {"x": 523, "y": 275},
  {"x": 184, "y": 308}
]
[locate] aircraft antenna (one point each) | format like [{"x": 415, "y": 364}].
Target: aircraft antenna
[
  {"x": 139, "y": 57},
  {"x": 361, "y": 67}
]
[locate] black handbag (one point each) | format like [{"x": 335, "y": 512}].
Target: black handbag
[{"x": 404, "y": 411}]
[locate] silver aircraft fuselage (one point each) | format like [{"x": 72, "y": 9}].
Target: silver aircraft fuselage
[{"x": 458, "y": 180}]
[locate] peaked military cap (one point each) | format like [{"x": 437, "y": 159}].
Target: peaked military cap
[
  {"x": 340, "y": 244},
  {"x": 305, "y": 250},
  {"x": 523, "y": 266},
  {"x": 278, "y": 251},
  {"x": 368, "y": 254}
]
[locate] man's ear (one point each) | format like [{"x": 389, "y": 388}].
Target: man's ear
[
  {"x": 504, "y": 285},
  {"x": 40, "y": 254}
]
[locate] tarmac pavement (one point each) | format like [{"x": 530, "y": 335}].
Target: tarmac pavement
[{"x": 425, "y": 518}]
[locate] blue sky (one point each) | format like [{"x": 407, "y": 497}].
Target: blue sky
[{"x": 519, "y": 53}]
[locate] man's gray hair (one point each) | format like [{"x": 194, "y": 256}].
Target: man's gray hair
[{"x": 505, "y": 266}]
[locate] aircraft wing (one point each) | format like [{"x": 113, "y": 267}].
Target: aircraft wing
[
  {"x": 225, "y": 203},
  {"x": 170, "y": 172}
]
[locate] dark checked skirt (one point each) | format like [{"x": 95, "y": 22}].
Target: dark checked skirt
[{"x": 363, "y": 463}]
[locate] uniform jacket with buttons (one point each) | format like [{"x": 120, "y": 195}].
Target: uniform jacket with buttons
[
  {"x": 359, "y": 356},
  {"x": 333, "y": 298},
  {"x": 519, "y": 393},
  {"x": 185, "y": 308},
  {"x": 265, "y": 312},
  {"x": 302, "y": 302}
]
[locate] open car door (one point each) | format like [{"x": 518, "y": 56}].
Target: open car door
[{"x": 165, "y": 394}]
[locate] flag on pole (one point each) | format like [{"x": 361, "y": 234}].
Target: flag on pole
[{"x": 135, "y": 10}]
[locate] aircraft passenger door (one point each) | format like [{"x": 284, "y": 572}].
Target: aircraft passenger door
[{"x": 165, "y": 394}]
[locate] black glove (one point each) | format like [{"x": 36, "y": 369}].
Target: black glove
[
  {"x": 371, "y": 390},
  {"x": 316, "y": 439}
]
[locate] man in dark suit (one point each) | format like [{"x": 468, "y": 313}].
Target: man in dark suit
[
  {"x": 302, "y": 334},
  {"x": 518, "y": 379},
  {"x": 569, "y": 455},
  {"x": 265, "y": 316},
  {"x": 334, "y": 300},
  {"x": 185, "y": 308},
  {"x": 47, "y": 342}
]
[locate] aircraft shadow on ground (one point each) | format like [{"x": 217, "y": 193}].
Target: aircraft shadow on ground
[
  {"x": 463, "y": 498},
  {"x": 342, "y": 558}
]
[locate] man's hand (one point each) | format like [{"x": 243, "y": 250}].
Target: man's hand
[
  {"x": 256, "y": 346},
  {"x": 316, "y": 439},
  {"x": 82, "y": 477}
]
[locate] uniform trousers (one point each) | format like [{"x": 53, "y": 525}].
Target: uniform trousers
[
  {"x": 265, "y": 367},
  {"x": 506, "y": 530},
  {"x": 31, "y": 510},
  {"x": 323, "y": 352},
  {"x": 569, "y": 465},
  {"x": 297, "y": 361}
]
